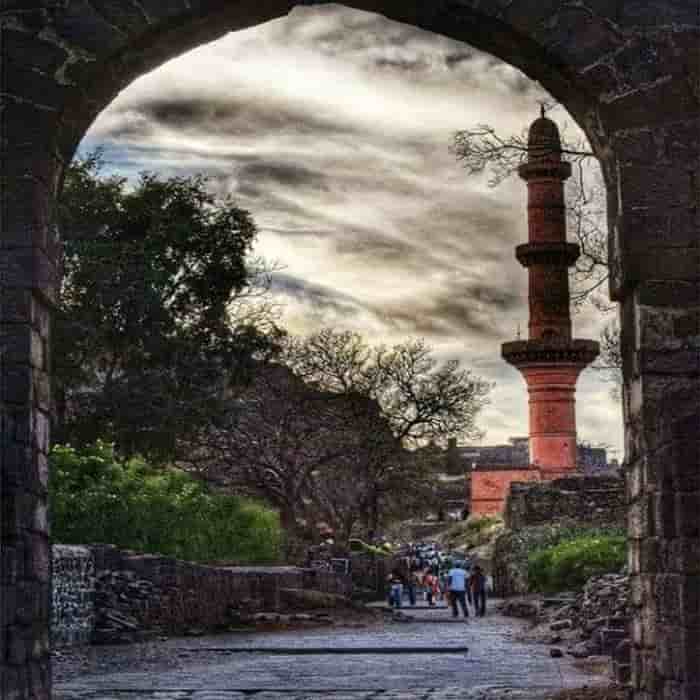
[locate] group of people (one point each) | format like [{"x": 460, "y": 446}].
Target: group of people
[{"x": 456, "y": 585}]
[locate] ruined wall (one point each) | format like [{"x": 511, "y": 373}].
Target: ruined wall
[
  {"x": 103, "y": 594},
  {"x": 590, "y": 500},
  {"x": 489, "y": 489},
  {"x": 72, "y": 595}
]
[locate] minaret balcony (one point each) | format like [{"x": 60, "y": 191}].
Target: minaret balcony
[
  {"x": 550, "y": 351},
  {"x": 550, "y": 253}
]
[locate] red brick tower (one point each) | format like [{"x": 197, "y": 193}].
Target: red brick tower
[{"x": 550, "y": 360}]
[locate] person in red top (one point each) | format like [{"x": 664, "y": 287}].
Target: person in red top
[{"x": 432, "y": 586}]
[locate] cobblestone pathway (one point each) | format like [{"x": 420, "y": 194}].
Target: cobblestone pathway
[{"x": 496, "y": 667}]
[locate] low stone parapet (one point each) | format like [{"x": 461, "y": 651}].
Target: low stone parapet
[{"x": 104, "y": 594}]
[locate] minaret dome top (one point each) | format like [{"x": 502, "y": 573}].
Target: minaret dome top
[{"x": 543, "y": 138}]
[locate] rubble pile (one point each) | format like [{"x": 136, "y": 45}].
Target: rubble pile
[
  {"x": 120, "y": 600},
  {"x": 593, "y": 622}
]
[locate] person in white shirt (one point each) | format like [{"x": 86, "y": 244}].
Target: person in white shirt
[{"x": 457, "y": 586}]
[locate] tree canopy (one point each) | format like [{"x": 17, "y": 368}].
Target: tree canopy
[{"x": 143, "y": 335}]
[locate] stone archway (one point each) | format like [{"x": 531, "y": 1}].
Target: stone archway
[{"x": 628, "y": 72}]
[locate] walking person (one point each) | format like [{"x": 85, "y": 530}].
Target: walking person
[
  {"x": 477, "y": 588},
  {"x": 412, "y": 585},
  {"x": 396, "y": 581},
  {"x": 457, "y": 586},
  {"x": 432, "y": 587}
]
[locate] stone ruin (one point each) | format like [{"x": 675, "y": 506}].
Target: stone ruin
[{"x": 627, "y": 72}]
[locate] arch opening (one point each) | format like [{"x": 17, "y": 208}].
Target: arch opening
[{"x": 82, "y": 57}]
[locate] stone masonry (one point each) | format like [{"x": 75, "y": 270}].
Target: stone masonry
[
  {"x": 628, "y": 73},
  {"x": 105, "y": 594},
  {"x": 590, "y": 500},
  {"x": 72, "y": 595}
]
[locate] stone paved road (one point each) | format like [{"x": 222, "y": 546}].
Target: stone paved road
[{"x": 497, "y": 666}]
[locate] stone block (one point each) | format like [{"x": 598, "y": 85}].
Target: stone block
[
  {"x": 670, "y": 651},
  {"x": 675, "y": 293},
  {"x": 668, "y": 597},
  {"x": 684, "y": 460},
  {"x": 665, "y": 514},
  {"x": 690, "y": 601},
  {"x": 30, "y": 267},
  {"x": 642, "y": 107},
  {"x": 687, "y": 510}
]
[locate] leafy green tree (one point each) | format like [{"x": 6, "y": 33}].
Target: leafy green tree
[
  {"x": 143, "y": 336},
  {"x": 96, "y": 497}
]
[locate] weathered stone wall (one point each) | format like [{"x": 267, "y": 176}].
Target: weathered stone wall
[
  {"x": 172, "y": 595},
  {"x": 489, "y": 488},
  {"x": 102, "y": 593},
  {"x": 72, "y": 595},
  {"x": 537, "y": 513},
  {"x": 590, "y": 500}
]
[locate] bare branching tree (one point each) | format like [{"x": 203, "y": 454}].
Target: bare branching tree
[{"x": 419, "y": 400}]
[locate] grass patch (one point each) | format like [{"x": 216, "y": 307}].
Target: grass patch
[{"x": 570, "y": 563}]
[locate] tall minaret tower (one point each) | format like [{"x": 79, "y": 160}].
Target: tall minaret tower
[{"x": 550, "y": 360}]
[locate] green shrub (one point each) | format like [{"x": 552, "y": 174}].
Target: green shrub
[
  {"x": 482, "y": 523},
  {"x": 570, "y": 563},
  {"x": 95, "y": 497}
]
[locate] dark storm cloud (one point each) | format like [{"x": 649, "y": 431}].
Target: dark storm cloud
[
  {"x": 371, "y": 246},
  {"x": 462, "y": 309},
  {"x": 235, "y": 116},
  {"x": 319, "y": 296},
  {"x": 467, "y": 308},
  {"x": 287, "y": 174}
]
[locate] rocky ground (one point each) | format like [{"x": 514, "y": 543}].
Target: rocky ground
[
  {"x": 591, "y": 625},
  {"x": 618, "y": 693}
]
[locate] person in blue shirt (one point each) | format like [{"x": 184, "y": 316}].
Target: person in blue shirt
[{"x": 457, "y": 586}]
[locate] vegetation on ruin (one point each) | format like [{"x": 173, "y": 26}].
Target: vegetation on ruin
[
  {"x": 97, "y": 497},
  {"x": 568, "y": 564},
  {"x": 474, "y": 532}
]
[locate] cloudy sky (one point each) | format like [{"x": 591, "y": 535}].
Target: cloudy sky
[{"x": 332, "y": 127}]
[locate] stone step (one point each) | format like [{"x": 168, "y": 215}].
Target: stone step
[
  {"x": 609, "y": 639},
  {"x": 551, "y": 602},
  {"x": 622, "y": 673}
]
